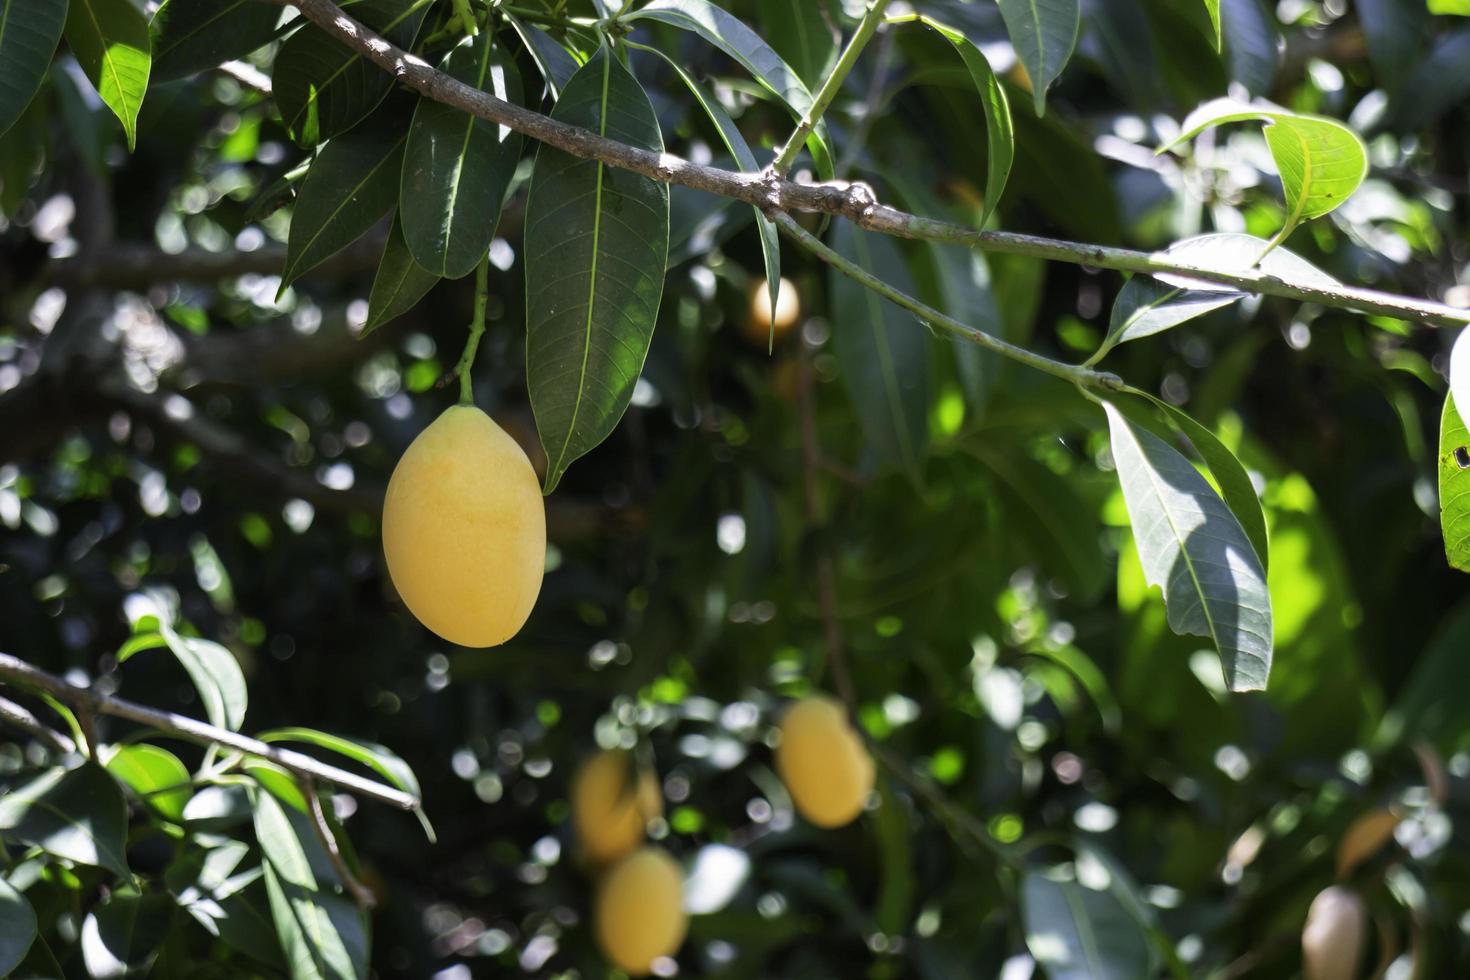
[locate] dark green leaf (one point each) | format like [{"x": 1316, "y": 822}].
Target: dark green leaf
[
  {"x": 76, "y": 814},
  {"x": 1431, "y": 703},
  {"x": 155, "y": 774},
  {"x": 964, "y": 284},
  {"x": 23, "y": 155},
  {"x": 1454, "y": 486},
  {"x": 596, "y": 244},
  {"x": 122, "y": 935},
  {"x": 29, "y": 32},
  {"x": 1396, "y": 33},
  {"x": 400, "y": 283},
  {"x": 1192, "y": 546},
  {"x": 213, "y": 669},
  {"x": 733, "y": 37},
  {"x": 1249, "y": 34},
  {"x": 17, "y": 927},
  {"x": 883, "y": 353},
  {"x": 322, "y": 88},
  {"x": 456, "y": 167},
  {"x": 1077, "y": 933},
  {"x": 111, "y": 43},
  {"x": 191, "y": 36},
  {"x": 39, "y": 964},
  {"x": 351, "y": 185},
  {"x": 1439, "y": 83},
  {"x": 802, "y": 35},
  {"x": 557, "y": 66},
  {"x": 1043, "y": 32}
]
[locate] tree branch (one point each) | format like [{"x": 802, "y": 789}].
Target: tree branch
[
  {"x": 19, "y": 717},
  {"x": 853, "y": 201},
  {"x": 360, "y": 893},
  {"x": 17, "y": 671}
]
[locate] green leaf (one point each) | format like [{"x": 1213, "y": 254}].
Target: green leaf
[
  {"x": 155, "y": 774},
  {"x": 218, "y": 807},
  {"x": 882, "y": 352},
  {"x": 1455, "y": 7},
  {"x": 213, "y": 669},
  {"x": 596, "y": 245},
  {"x": 323, "y": 934},
  {"x": 1396, "y": 33},
  {"x": 1437, "y": 85},
  {"x": 1212, "y": 7},
  {"x": 964, "y": 286},
  {"x": 1145, "y": 306},
  {"x": 1321, "y": 161},
  {"x": 322, "y": 88},
  {"x": 1431, "y": 702},
  {"x": 1454, "y": 486},
  {"x": 999, "y": 131},
  {"x": 351, "y": 185},
  {"x": 1077, "y": 933},
  {"x": 29, "y": 32},
  {"x": 17, "y": 927},
  {"x": 378, "y": 758},
  {"x": 400, "y": 283},
  {"x": 23, "y": 155},
  {"x": 733, "y": 37},
  {"x": 76, "y": 814},
  {"x": 556, "y": 64},
  {"x": 1043, "y": 32},
  {"x": 456, "y": 167},
  {"x": 1249, "y": 35},
  {"x": 802, "y": 36},
  {"x": 191, "y": 36},
  {"x": 1230, "y": 251},
  {"x": 1192, "y": 546},
  {"x": 110, "y": 41},
  {"x": 730, "y": 135},
  {"x": 227, "y": 902},
  {"x": 122, "y": 935}
]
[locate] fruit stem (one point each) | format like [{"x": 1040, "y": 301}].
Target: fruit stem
[{"x": 477, "y": 327}]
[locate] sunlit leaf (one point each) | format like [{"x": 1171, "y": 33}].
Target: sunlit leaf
[
  {"x": 1249, "y": 43},
  {"x": 155, "y": 774},
  {"x": 1145, "y": 306},
  {"x": 1454, "y": 485},
  {"x": 213, "y": 669},
  {"x": 77, "y": 814},
  {"x": 121, "y": 935},
  {"x": 1044, "y": 32},
  {"x": 596, "y": 244},
  {"x": 111, "y": 42},
  {"x": 1078, "y": 933},
  {"x": 29, "y": 32}
]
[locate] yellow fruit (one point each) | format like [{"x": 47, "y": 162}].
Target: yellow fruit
[
  {"x": 639, "y": 915},
  {"x": 608, "y": 813},
  {"x": 824, "y": 764},
  {"x": 758, "y": 320},
  {"x": 1332, "y": 940},
  {"x": 464, "y": 530}
]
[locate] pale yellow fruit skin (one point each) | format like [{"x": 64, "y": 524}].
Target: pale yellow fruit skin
[
  {"x": 464, "y": 530},
  {"x": 1332, "y": 939},
  {"x": 608, "y": 814},
  {"x": 639, "y": 913},
  {"x": 823, "y": 762}
]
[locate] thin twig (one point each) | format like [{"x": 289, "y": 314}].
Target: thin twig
[
  {"x": 853, "y": 201},
  {"x": 21, "y": 718},
  {"x": 360, "y": 893},
  {"x": 17, "y": 671},
  {"x": 477, "y": 329}
]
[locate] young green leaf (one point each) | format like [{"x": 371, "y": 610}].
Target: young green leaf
[
  {"x": 322, "y": 88},
  {"x": 76, "y": 814},
  {"x": 1043, "y": 32},
  {"x": 400, "y": 283},
  {"x": 111, "y": 42},
  {"x": 122, "y": 935},
  {"x": 596, "y": 244},
  {"x": 1078, "y": 933},
  {"x": 1454, "y": 486},
  {"x": 1450, "y": 7},
  {"x": 17, "y": 927},
  {"x": 1192, "y": 546},
  {"x": 456, "y": 167},
  {"x": 29, "y": 32},
  {"x": 1321, "y": 161},
  {"x": 1212, "y": 7},
  {"x": 213, "y": 669},
  {"x": 884, "y": 356},
  {"x": 1000, "y": 132},
  {"x": 155, "y": 774},
  {"x": 191, "y": 36},
  {"x": 732, "y": 36},
  {"x": 351, "y": 185}
]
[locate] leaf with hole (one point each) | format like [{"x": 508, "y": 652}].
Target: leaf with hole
[
  {"x": 110, "y": 41},
  {"x": 352, "y": 183},
  {"x": 596, "y": 245},
  {"x": 17, "y": 927},
  {"x": 29, "y": 33},
  {"x": 190, "y": 36},
  {"x": 732, "y": 36},
  {"x": 1193, "y": 547},
  {"x": 1454, "y": 486},
  {"x": 1043, "y": 32},
  {"x": 323, "y": 88},
  {"x": 399, "y": 284},
  {"x": 456, "y": 167},
  {"x": 155, "y": 774},
  {"x": 76, "y": 814},
  {"x": 122, "y": 935},
  {"x": 882, "y": 352},
  {"x": 1078, "y": 933}
]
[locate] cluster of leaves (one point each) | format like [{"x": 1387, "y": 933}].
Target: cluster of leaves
[{"x": 999, "y": 651}]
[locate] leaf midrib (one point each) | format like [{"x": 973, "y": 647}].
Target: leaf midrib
[
  {"x": 107, "y": 58},
  {"x": 464, "y": 150},
  {"x": 322, "y": 228}
]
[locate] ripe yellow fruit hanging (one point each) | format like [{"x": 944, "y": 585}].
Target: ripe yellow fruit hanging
[
  {"x": 823, "y": 762},
  {"x": 639, "y": 914},
  {"x": 464, "y": 530},
  {"x": 611, "y": 806}
]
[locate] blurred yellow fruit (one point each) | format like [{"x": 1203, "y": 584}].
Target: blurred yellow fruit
[
  {"x": 823, "y": 762},
  {"x": 1332, "y": 940},
  {"x": 608, "y": 812},
  {"x": 758, "y": 321},
  {"x": 464, "y": 530},
  {"x": 639, "y": 915}
]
